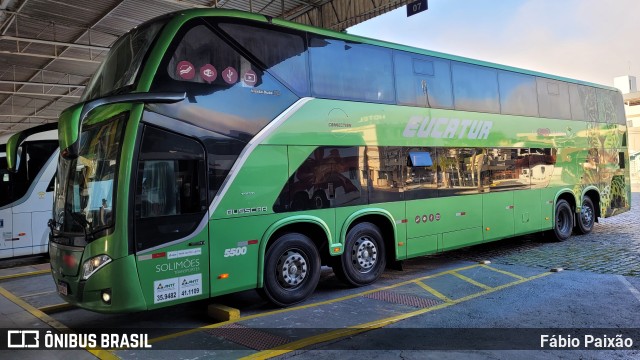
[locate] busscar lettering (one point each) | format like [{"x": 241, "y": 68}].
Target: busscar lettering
[
  {"x": 247, "y": 210},
  {"x": 445, "y": 128}
]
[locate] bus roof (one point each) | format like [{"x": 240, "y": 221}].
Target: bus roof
[{"x": 193, "y": 13}]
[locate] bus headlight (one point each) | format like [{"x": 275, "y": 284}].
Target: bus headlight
[{"x": 94, "y": 264}]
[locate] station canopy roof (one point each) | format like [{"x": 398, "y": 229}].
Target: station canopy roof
[{"x": 50, "y": 48}]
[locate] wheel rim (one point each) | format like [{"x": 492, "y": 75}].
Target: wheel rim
[
  {"x": 586, "y": 216},
  {"x": 364, "y": 254},
  {"x": 292, "y": 268},
  {"x": 563, "y": 223}
]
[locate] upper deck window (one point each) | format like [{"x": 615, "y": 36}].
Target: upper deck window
[
  {"x": 475, "y": 88},
  {"x": 352, "y": 71},
  {"x": 123, "y": 62},
  {"x": 282, "y": 53},
  {"x": 227, "y": 89}
]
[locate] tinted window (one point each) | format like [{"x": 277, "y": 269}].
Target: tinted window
[
  {"x": 32, "y": 156},
  {"x": 220, "y": 84},
  {"x": 541, "y": 166},
  {"x": 330, "y": 177},
  {"x": 553, "y": 99},
  {"x": 518, "y": 95},
  {"x": 222, "y": 154},
  {"x": 171, "y": 196},
  {"x": 610, "y": 107},
  {"x": 123, "y": 61},
  {"x": 460, "y": 171},
  {"x": 421, "y": 181},
  {"x": 284, "y": 54},
  {"x": 507, "y": 169},
  {"x": 346, "y": 70},
  {"x": 583, "y": 102},
  {"x": 386, "y": 166},
  {"x": 423, "y": 81},
  {"x": 475, "y": 88}
]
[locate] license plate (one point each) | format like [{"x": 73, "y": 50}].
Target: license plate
[{"x": 63, "y": 288}]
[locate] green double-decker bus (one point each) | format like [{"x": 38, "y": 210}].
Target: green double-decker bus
[{"x": 219, "y": 151}]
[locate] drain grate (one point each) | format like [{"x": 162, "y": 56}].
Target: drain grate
[
  {"x": 398, "y": 298},
  {"x": 246, "y": 336}
]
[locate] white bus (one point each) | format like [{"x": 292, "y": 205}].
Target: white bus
[{"x": 27, "y": 169}]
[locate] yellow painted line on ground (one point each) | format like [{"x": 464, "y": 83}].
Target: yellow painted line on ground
[
  {"x": 356, "y": 329},
  {"x": 99, "y": 353},
  {"x": 433, "y": 291},
  {"x": 471, "y": 281},
  {"x": 320, "y": 303},
  {"x": 503, "y": 272},
  {"x": 19, "y": 275}
]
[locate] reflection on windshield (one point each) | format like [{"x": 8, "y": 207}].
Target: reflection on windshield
[
  {"x": 84, "y": 186},
  {"x": 123, "y": 62}
]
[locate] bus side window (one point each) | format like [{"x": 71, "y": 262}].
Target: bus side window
[
  {"x": 518, "y": 94},
  {"x": 171, "y": 193},
  {"x": 352, "y": 71},
  {"x": 330, "y": 177},
  {"x": 423, "y": 81},
  {"x": 475, "y": 88},
  {"x": 553, "y": 99}
]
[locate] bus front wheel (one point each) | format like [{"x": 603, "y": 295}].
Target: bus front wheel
[
  {"x": 363, "y": 260},
  {"x": 291, "y": 269},
  {"x": 586, "y": 218},
  {"x": 563, "y": 224}
]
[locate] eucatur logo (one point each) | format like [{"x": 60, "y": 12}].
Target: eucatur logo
[{"x": 445, "y": 128}]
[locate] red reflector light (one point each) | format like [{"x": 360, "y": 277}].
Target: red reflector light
[
  {"x": 159, "y": 255},
  {"x": 252, "y": 242},
  {"x": 69, "y": 260}
]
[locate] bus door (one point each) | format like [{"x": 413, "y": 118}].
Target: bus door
[
  {"x": 171, "y": 219},
  {"x": 6, "y": 233}
]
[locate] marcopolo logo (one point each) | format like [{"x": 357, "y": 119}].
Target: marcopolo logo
[{"x": 445, "y": 128}]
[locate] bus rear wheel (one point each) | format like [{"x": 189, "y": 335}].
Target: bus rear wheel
[
  {"x": 291, "y": 269},
  {"x": 364, "y": 259},
  {"x": 563, "y": 224},
  {"x": 587, "y": 217}
]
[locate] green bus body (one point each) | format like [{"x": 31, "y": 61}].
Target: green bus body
[{"x": 256, "y": 183}]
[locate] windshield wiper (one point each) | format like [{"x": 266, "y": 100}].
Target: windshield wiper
[{"x": 80, "y": 220}]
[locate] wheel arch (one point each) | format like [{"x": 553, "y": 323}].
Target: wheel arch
[
  {"x": 313, "y": 227},
  {"x": 383, "y": 220},
  {"x": 594, "y": 194},
  {"x": 569, "y": 196}
]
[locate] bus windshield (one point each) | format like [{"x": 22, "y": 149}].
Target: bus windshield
[
  {"x": 85, "y": 201},
  {"x": 120, "y": 69}
]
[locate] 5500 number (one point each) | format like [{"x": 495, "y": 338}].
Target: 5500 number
[{"x": 239, "y": 251}]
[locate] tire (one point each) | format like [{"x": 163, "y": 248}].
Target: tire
[
  {"x": 563, "y": 222},
  {"x": 291, "y": 270},
  {"x": 363, "y": 260},
  {"x": 586, "y": 218}
]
